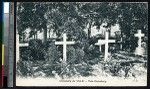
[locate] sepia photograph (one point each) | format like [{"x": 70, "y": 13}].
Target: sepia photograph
[{"x": 81, "y": 43}]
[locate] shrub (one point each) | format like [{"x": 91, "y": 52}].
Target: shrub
[
  {"x": 37, "y": 49},
  {"x": 29, "y": 57},
  {"x": 24, "y": 68},
  {"x": 75, "y": 63},
  {"x": 46, "y": 58},
  {"x": 52, "y": 59}
]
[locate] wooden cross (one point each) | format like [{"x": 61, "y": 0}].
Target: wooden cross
[
  {"x": 106, "y": 42},
  {"x": 100, "y": 43},
  {"x": 64, "y": 43},
  {"x": 139, "y": 35},
  {"x": 18, "y": 45}
]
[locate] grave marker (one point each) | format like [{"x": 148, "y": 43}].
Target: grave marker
[
  {"x": 18, "y": 45},
  {"x": 139, "y": 35},
  {"x": 139, "y": 49},
  {"x": 100, "y": 43},
  {"x": 64, "y": 43},
  {"x": 106, "y": 42}
]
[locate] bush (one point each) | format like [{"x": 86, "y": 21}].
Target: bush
[
  {"x": 76, "y": 64},
  {"x": 125, "y": 66},
  {"x": 25, "y": 54},
  {"x": 52, "y": 59},
  {"x": 29, "y": 57},
  {"x": 46, "y": 58},
  {"x": 37, "y": 49},
  {"x": 24, "y": 68},
  {"x": 52, "y": 53}
]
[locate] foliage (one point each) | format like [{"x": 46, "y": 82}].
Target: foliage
[
  {"x": 76, "y": 64},
  {"x": 44, "y": 60},
  {"x": 74, "y": 18},
  {"x": 25, "y": 68},
  {"x": 52, "y": 59},
  {"x": 126, "y": 65},
  {"x": 133, "y": 16},
  {"x": 37, "y": 49},
  {"x": 31, "y": 15}
]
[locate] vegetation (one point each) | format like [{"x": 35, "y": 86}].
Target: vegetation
[{"x": 75, "y": 19}]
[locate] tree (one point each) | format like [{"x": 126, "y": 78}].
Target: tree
[
  {"x": 133, "y": 16},
  {"x": 31, "y": 15},
  {"x": 74, "y": 17},
  {"x": 63, "y": 17},
  {"x": 60, "y": 15}
]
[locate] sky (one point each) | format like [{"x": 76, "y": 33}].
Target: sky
[{"x": 6, "y": 7}]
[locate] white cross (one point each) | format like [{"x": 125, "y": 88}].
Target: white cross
[
  {"x": 139, "y": 35},
  {"x": 18, "y": 45},
  {"x": 100, "y": 43},
  {"x": 106, "y": 42},
  {"x": 64, "y": 43}
]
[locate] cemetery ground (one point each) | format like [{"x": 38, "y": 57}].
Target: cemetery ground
[
  {"x": 82, "y": 62},
  {"x": 95, "y": 44},
  {"x": 122, "y": 67}
]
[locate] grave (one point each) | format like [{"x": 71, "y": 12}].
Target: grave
[
  {"x": 105, "y": 42},
  {"x": 139, "y": 50},
  {"x": 64, "y": 43},
  {"x": 18, "y": 45}
]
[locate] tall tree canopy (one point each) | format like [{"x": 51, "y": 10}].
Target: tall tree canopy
[
  {"x": 31, "y": 15},
  {"x": 75, "y": 17},
  {"x": 133, "y": 16}
]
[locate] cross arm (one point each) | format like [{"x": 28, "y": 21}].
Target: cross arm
[
  {"x": 23, "y": 44},
  {"x": 59, "y": 43},
  {"x": 111, "y": 41},
  {"x": 70, "y": 42}
]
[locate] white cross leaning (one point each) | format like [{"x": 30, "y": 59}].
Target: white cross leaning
[
  {"x": 64, "y": 43},
  {"x": 139, "y": 35},
  {"x": 106, "y": 42}
]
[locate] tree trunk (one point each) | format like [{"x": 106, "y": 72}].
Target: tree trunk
[
  {"x": 49, "y": 33},
  {"x": 89, "y": 29},
  {"x": 36, "y": 34},
  {"x": 45, "y": 33},
  {"x": 23, "y": 38},
  {"x": 109, "y": 31}
]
